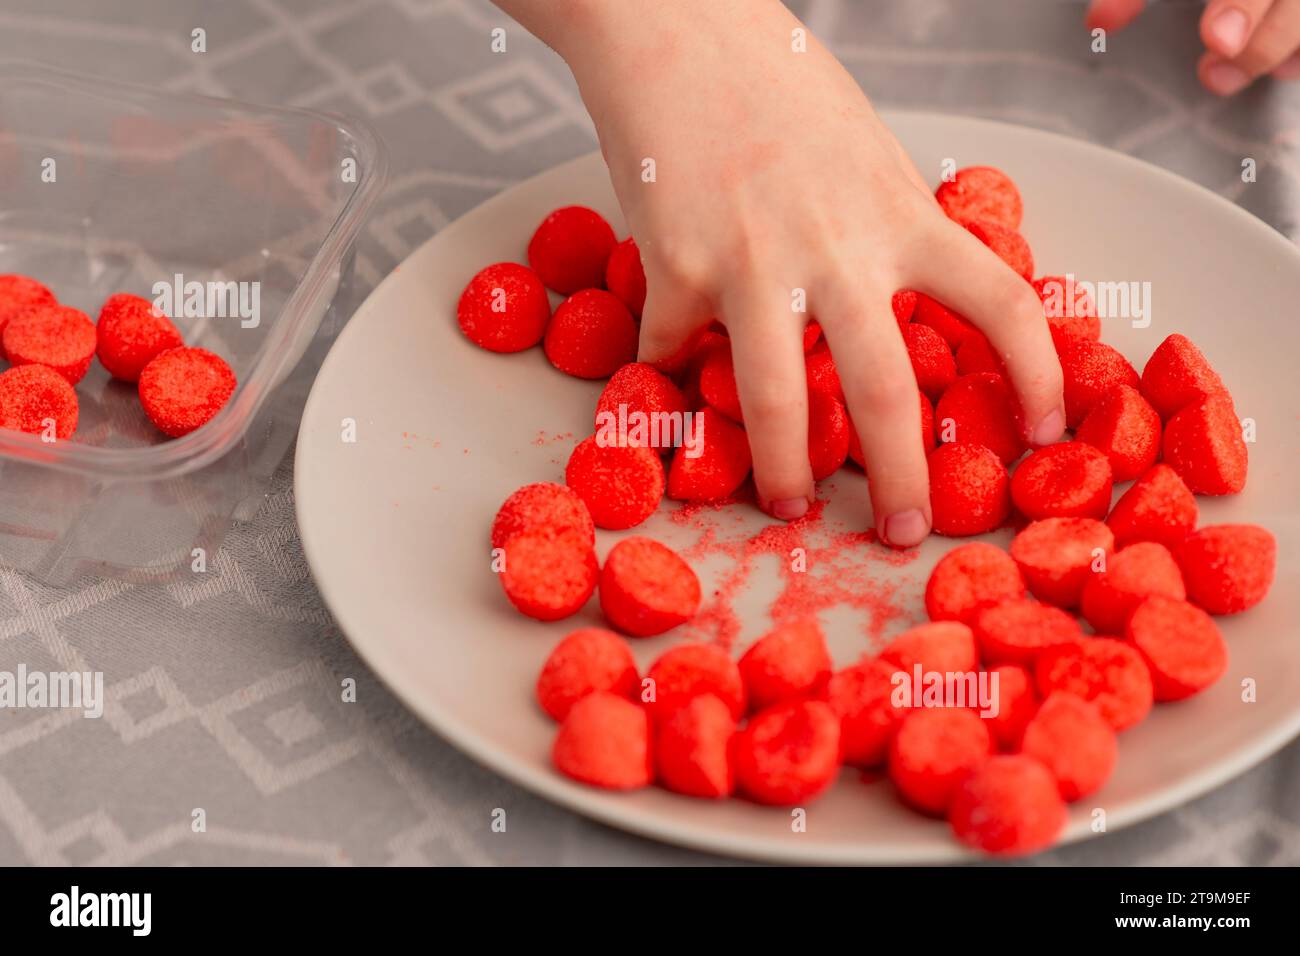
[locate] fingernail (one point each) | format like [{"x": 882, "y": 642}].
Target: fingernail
[
  {"x": 788, "y": 509},
  {"x": 1226, "y": 79},
  {"x": 1229, "y": 28},
  {"x": 905, "y": 529},
  {"x": 1049, "y": 430}
]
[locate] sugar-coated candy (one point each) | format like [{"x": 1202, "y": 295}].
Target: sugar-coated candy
[
  {"x": 903, "y": 302},
  {"x": 981, "y": 192},
  {"x": 789, "y": 661},
  {"x": 130, "y": 332},
  {"x": 1009, "y": 806},
  {"x": 940, "y": 646},
  {"x": 646, "y": 588},
  {"x": 1181, "y": 645},
  {"x": 638, "y": 392},
  {"x": 1057, "y": 556},
  {"x": 976, "y": 354},
  {"x": 1228, "y": 567},
  {"x": 970, "y": 578},
  {"x": 1178, "y": 374},
  {"x": 862, "y": 697},
  {"x": 788, "y": 753},
  {"x": 625, "y": 276},
  {"x": 1071, "y": 739},
  {"x": 549, "y": 573},
  {"x": 591, "y": 335},
  {"x": 1130, "y": 576},
  {"x": 1104, "y": 670},
  {"x": 1065, "y": 480},
  {"x": 969, "y": 489},
  {"x": 541, "y": 504},
  {"x": 693, "y": 749},
  {"x": 621, "y": 485},
  {"x": 1068, "y": 307},
  {"x": 933, "y": 750},
  {"x": 949, "y": 324},
  {"x": 686, "y": 671},
  {"x": 18, "y": 293},
  {"x": 720, "y": 467},
  {"x": 588, "y": 660},
  {"x": 718, "y": 383},
  {"x": 1009, "y": 245},
  {"x": 1018, "y": 701},
  {"x": 980, "y": 408},
  {"x": 932, "y": 361},
  {"x": 36, "y": 399},
  {"x": 1127, "y": 429},
  {"x": 605, "y": 741},
  {"x": 1157, "y": 507},
  {"x": 1017, "y": 631},
  {"x": 56, "y": 336},
  {"x": 570, "y": 249},
  {"x": 1091, "y": 371},
  {"x": 1204, "y": 444},
  {"x": 820, "y": 371},
  {"x": 504, "y": 308},
  {"x": 828, "y": 435},
  {"x": 183, "y": 389}
]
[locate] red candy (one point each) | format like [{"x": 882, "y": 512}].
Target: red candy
[
  {"x": 812, "y": 334},
  {"x": 1157, "y": 507},
  {"x": 1091, "y": 371},
  {"x": 570, "y": 249},
  {"x": 640, "y": 392},
  {"x": 549, "y": 573},
  {"x": 1066, "y": 480},
  {"x": 1228, "y": 567},
  {"x": 903, "y": 302},
  {"x": 1017, "y": 704},
  {"x": 541, "y": 505},
  {"x": 951, "y": 326},
  {"x": 605, "y": 741},
  {"x": 1108, "y": 672},
  {"x": 56, "y": 336},
  {"x": 1203, "y": 443},
  {"x": 1177, "y": 374},
  {"x": 1071, "y": 739},
  {"x": 789, "y": 753},
  {"x": 1057, "y": 556},
  {"x": 970, "y": 578},
  {"x": 625, "y": 276},
  {"x": 791, "y": 661},
  {"x": 945, "y": 647},
  {"x": 1131, "y": 576},
  {"x": 933, "y": 750},
  {"x": 503, "y": 309},
  {"x": 1068, "y": 307},
  {"x": 828, "y": 435},
  {"x": 646, "y": 588},
  {"x": 862, "y": 697},
  {"x": 1009, "y": 245},
  {"x": 1181, "y": 645},
  {"x": 590, "y": 659},
  {"x": 975, "y": 354},
  {"x": 980, "y": 408},
  {"x": 687, "y": 671},
  {"x": 721, "y": 466},
  {"x": 819, "y": 370},
  {"x": 932, "y": 361},
  {"x": 718, "y": 383},
  {"x": 130, "y": 332},
  {"x": 182, "y": 389},
  {"x": 981, "y": 192},
  {"x": 18, "y": 293},
  {"x": 32, "y": 397},
  {"x": 591, "y": 335},
  {"x": 693, "y": 749},
  {"x": 1126, "y": 429},
  {"x": 621, "y": 485},
  {"x": 968, "y": 490},
  {"x": 1009, "y": 806},
  {"x": 1016, "y": 632}
]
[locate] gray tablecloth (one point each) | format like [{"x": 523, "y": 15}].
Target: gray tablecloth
[{"x": 222, "y": 695}]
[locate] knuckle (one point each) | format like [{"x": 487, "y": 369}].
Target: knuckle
[{"x": 890, "y": 394}]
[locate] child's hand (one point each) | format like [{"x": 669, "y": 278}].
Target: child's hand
[
  {"x": 773, "y": 174},
  {"x": 1244, "y": 39}
]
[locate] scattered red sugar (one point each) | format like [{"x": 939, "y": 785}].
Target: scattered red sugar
[
  {"x": 589, "y": 659},
  {"x": 591, "y": 335},
  {"x": 969, "y": 489},
  {"x": 1065, "y": 480},
  {"x": 1228, "y": 567},
  {"x": 605, "y": 741},
  {"x": 1009, "y": 806},
  {"x": 1177, "y": 374},
  {"x": 1104, "y": 670},
  {"x": 542, "y": 504},
  {"x": 621, "y": 485},
  {"x": 980, "y": 408},
  {"x": 1068, "y": 307},
  {"x": 56, "y": 336},
  {"x": 1009, "y": 245},
  {"x": 1131, "y": 576},
  {"x": 981, "y": 192},
  {"x": 504, "y": 308},
  {"x": 1058, "y": 555},
  {"x": 570, "y": 249},
  {"x": 1126, "y": 429},
  {"x": 790, "y": 661},
  {"x": 949, "y": 324},
  {"x": 933, "y": 750},
  {"x": 1091, "y": 370},
  {"x": 1071, "y": 739},
  {"x": 1203, "y": 443},
  {"x": 1157, "y": 507},
  {"x": 970, "y": 578},
  {"x": 1181, "y": 645},
  {"x": 625, "y": 276},
  {"x": 646, "y": 588},
  {"x": 788, "y": 753},
  {"x": 693, "y": 749}
]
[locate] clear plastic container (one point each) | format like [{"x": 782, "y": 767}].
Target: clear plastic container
[{"x": 108, "y": 187}]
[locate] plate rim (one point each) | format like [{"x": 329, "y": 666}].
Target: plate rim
[{"x": 680, "y": 831}]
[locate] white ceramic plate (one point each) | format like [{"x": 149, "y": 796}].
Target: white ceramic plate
[{"x": 395, "y": 524}]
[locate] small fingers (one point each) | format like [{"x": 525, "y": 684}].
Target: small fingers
[
  {"x": 976, "y": 283},
  {"x": 882, "y": 398},
  {"x": 1269, "y": 44},
  {"x": 767, "y": 353},
  {"x": 670, "y": 319},
  {"x": 1227, "y": 25}
]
